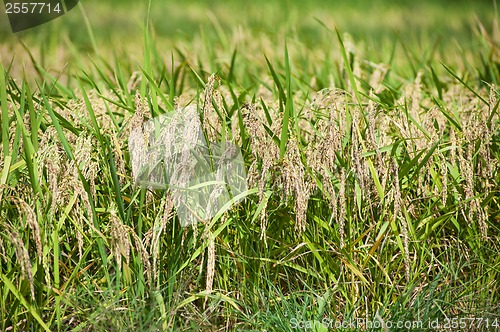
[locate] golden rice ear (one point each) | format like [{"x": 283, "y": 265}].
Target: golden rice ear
[
  {"x": 397, "y": 200},
  {"x": 378, "y": 76},
  {"x": 295, "y": 184},
  {"x": 212, "y": 124},
  {"x": 264, "y": 149},
  {"x": 343, "y": 206},
  {"x": 124, "y": 239},
  {"x": 159, "y": 226},
  {"x": 22, "y": 256},
  {"x": 134, "y": 81},
  {"x": 145, "y": 257},
  {"x": 120, "y": 241},
  {"x": 25, "y": 209},
  {"x": 210, "y": 263}
]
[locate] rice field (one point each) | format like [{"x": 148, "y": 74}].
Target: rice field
[{"x": 369, "y": 134}]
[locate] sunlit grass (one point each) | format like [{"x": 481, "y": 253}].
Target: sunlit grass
[{"x": 372, "y": 163}]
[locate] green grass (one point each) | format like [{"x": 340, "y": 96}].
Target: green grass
[{"x": 371, "y": 143}]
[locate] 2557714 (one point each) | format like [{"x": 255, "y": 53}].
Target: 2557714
[{"x": 32, "y": 8}]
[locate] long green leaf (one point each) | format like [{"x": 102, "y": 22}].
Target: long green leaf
[
  {"x": 33, "y": 312},
  {"x": 5, "y": 111}
]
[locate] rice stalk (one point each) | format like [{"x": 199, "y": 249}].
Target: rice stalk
[
  {"x": 31, "y": 220},
  {"x": 22, "y": 257},
  {"x": 210, "y": 263},
  {"x": 211, "y": 120},
  {"x": 295, "y": 183},
  {"x": 397, "y": 216},
  {"x": 159, "y": 226},
  {"x": 343, "y": 206},
  {"x": 119, "y": 239}
]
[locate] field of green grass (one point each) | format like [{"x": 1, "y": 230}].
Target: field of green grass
[{"x": 370, "y": 134}]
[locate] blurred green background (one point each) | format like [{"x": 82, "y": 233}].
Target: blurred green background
[
  {"x": 205, "y": 33},
  {"x": 120, "y": 20}
]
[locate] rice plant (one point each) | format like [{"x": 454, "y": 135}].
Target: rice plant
[{"x": 372, "y": 171}]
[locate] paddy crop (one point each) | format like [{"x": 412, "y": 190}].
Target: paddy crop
[{"x": 372, "y": 162}]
